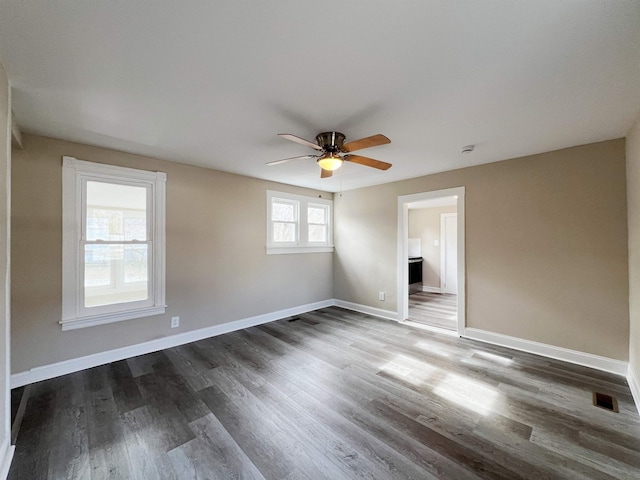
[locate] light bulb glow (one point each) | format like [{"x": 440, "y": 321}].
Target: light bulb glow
[{"x": 330, "y": 162}]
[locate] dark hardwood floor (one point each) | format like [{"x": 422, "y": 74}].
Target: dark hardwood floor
[
  {"x": 434, "y": 309},
  {"x": 329, "y": 394}
]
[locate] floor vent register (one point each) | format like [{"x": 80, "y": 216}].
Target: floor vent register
[{"x": 605, "y": 401}]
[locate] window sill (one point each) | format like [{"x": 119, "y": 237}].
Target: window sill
[
  {"x": 288, "y": 250},
  {"x": 83, "y": 322}
]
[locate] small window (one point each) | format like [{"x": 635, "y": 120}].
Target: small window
[
  {"x": 298, "y": 224},
  {"x": 113, "y": 243}
]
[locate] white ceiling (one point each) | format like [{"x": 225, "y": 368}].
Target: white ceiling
[{"x": 211, "y": 83}]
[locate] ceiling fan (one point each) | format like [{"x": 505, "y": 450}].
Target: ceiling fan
[{"x": 331, "y": 145}]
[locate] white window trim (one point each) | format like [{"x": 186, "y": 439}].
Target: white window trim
[
  {"x": 73, "y": 173},
  {"x": 302, "y": 245}
]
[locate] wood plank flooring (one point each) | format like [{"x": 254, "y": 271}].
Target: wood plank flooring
[
  {"x": 435, "y": 309},
  {"x": 329, "y": 394}
]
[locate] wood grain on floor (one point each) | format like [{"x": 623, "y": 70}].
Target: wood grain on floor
[
  {"x": 333, "y": 394},
  {"x": 434, "y": 309}
]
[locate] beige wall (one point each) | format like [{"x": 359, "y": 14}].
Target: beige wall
[
  {"x": 424, "y": 223},
  {"x": 546, "y": 246},
  {"x": 5, "y": 208},
  {"x": 546, "y": 250},
  {"x": 633, "y": 206},
  {"x": 217, "y": 269}
]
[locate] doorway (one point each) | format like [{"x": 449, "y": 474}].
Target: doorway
[
  {"x": 433, "y": 236},
  {"x": 439, "y": 216}
]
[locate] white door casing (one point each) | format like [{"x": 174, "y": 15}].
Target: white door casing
[
  {"x": 449, "y": 253},
  {"x": 403, "y": 249}
]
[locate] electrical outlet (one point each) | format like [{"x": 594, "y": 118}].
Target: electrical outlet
[
  {"x": 175, "y": 322},
  {"x": 381, "y": 296}
]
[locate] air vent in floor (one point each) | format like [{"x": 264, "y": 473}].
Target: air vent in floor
[{"x": 605, "y": 401}]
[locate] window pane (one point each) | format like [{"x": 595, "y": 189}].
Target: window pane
[
  {"x": 97, "y": 268},
  {"x": 115, "y": 273},
  {"x": 284, "y": 232},
  {"x": 316, "y": 215},
  {"x": 285, "y": 212},
  {"x": 317, "y": 233},
  {"x": 135, "y": 263},
  {"x": 135, "y": 228},
  {"x": 116, "y": 212}
]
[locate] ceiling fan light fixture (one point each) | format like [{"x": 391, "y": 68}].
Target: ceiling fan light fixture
[{"x": 330, "y": 161}]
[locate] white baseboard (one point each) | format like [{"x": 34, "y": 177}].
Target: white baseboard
[
  {"x": 634, "y": 385},
  {"x": 597, "y": 362},
  {"x": 357, "y": 307},
  {"x": 431, "y": 289},
  {"x": 559, "y": 353},
  {"x": 53, "y": 370},
  {"x": 77, "y": 364},
  {"x": 6, "y": 455}
]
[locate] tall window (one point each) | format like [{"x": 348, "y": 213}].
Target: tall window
[
  {"x": 298, "y": 224},
  {"x": 113, "y": 243}
]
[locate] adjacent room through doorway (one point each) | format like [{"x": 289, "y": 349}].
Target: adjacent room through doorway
[
  {"x": 434, "y": 256},
  {"x": 433, "y": 249}
]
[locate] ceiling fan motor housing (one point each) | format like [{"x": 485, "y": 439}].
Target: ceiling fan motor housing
[{"x": 331, "y": 142}]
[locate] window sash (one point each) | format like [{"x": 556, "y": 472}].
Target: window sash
[
  {"x": 324, "y": 224},
  {"x": 149, "y": 203},
  {"x": 295, "y": 222},
  {"x": 116, "y": 306}
]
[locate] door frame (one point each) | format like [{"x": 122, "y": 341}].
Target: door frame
[
  {"x": 403, "y": 249},
  {"x": 443, "y": 251}
]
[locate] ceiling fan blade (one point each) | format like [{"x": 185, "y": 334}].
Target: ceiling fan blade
[
  {"x": 301, "y": 141},
  {"x": 372, "y": 141},
  {"x": 325, "y": 173},
  {"x": 278, "y": 162},
  {"x": 369, "y": 162}
]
